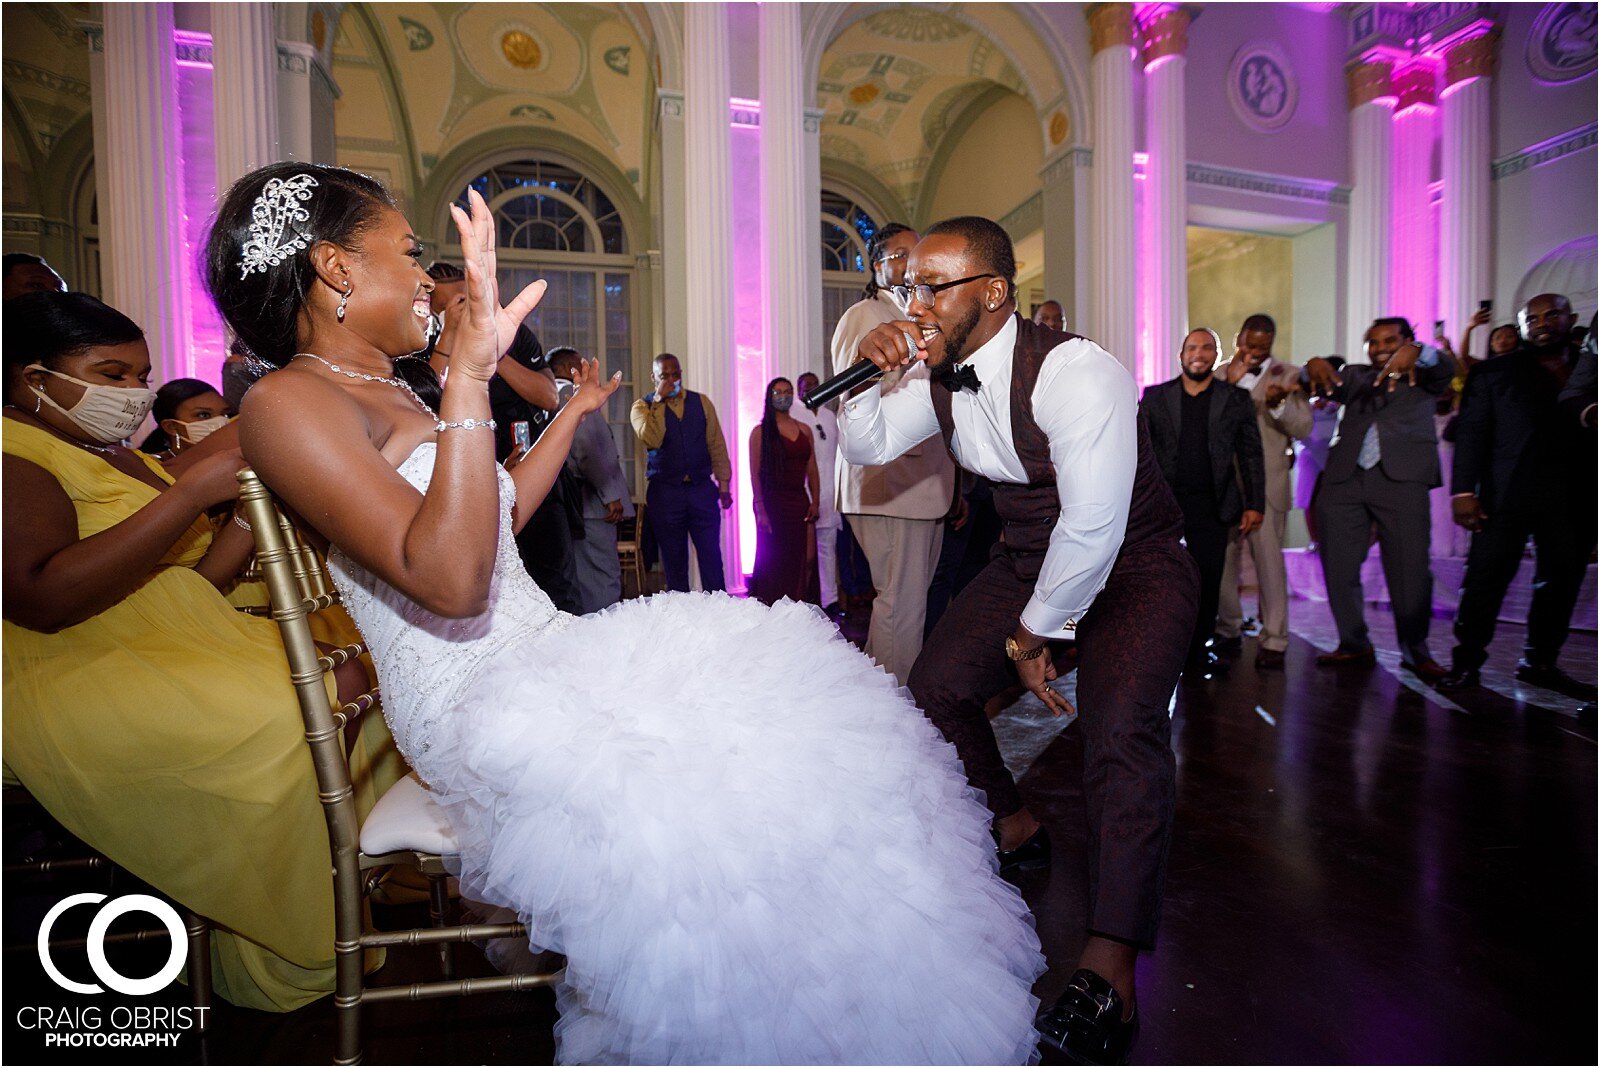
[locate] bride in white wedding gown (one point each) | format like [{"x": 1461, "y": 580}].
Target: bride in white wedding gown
[{"x": 747, "y": 841}]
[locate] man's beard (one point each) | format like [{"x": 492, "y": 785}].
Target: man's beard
[
  {"x": 955, "y": 339},
  {"x": 1195, "y": 376}
]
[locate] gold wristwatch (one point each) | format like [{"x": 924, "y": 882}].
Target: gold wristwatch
[{"x": 1017, "y": 652}]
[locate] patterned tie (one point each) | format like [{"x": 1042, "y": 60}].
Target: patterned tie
[{"x": 1370, "y": 455}]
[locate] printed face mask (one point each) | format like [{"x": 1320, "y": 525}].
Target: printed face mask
[{"x": 108, "y": 414}]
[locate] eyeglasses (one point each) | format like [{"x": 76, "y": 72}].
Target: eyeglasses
[
  {"x": 890, "y": 257},
  {"x": 923, "y": 294}
]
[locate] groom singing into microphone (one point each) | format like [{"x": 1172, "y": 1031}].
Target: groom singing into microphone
[{"x": 1090, "y": 553}]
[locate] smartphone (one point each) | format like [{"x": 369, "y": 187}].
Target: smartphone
[
  {"x": 1438, "y": 328},
  {"x": 1485, "y": 305},
  {"x": 520, "y": 436}
]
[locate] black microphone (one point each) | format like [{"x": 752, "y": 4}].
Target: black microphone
[{"x": 857, "y": 374}]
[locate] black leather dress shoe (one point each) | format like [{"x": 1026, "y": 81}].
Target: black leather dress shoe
[
  {"x": 1341, "y": 657},
  {"x": 1085, "y": 1025},
  {"x": 1029, "y": 856},
  {"x": 1458, "y": 679},
  {"x": 1207, "y": 665},
  {"x": 1553, "y": 678}
]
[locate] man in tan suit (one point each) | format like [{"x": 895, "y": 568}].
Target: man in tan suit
[
  {"x": 895, "y": 510},
  {"x": 1283, "y": 416}
]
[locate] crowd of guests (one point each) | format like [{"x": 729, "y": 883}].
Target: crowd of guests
[{"x": 1365, "y": 438}]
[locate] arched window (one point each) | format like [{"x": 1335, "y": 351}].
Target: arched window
[
  {"x": 847, "y": 229},
  {"x": 555, "y": 223}
]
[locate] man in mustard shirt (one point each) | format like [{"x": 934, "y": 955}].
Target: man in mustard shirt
[{"x": 684, "y": 451}]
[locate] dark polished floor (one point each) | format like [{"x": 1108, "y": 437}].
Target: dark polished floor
[{"x": 1360, "y": 873}]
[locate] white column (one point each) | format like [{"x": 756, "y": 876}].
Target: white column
[
  {"x": 789, "y": 238},
  {"x": 1413, "y": 259},
  {"x": 1113, "y": 302},
  {"x": 709, "y": 359},
  {"x": 305, "y": 94},
  {"x": 674, "y": 226},
  {"x": 817, "y": 358},
  {"x": 1372, "y": 103},
  {"x": 1166, "y": 264},
  {"x": 1464, "y": 216},
  {"x": 141, "y": 185},
  {"x": 244, "y": 88}
]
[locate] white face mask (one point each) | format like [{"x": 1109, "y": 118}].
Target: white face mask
[
  {"x": 108, "y": 414},
  {"x": 196, "y": 432}
]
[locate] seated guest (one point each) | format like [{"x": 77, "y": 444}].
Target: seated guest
[
  {"x": 24, "y": 273},
  {"x": 1525, "y": 468},
  {"x": 603, "y": 489},
  {"x": 149, "y": 717},
  {"x": 786, "y": 488},
  {"x": 1203, "y": 435},
  {"x": 1383, "y": 461},
  {"x": 186, "y": 411}
]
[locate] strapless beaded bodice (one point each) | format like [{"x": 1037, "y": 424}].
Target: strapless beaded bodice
[{"x": 426, "y": 662}]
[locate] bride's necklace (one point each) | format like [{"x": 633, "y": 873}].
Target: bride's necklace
[{"x": 395, "y": 382}]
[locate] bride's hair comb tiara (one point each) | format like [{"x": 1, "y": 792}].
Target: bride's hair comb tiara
[{"x": 273, "y": 236}]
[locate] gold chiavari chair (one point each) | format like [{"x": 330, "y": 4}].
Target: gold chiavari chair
[
  {"x": 630, "y": 551},
  {"x": 404, "y": 829}
]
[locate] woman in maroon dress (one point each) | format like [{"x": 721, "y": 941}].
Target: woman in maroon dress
[{"x": 783, "y": 466}]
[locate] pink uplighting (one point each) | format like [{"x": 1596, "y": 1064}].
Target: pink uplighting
[
  {"x": 205, "y": 343},
  {"x": 749, "y": 292}
]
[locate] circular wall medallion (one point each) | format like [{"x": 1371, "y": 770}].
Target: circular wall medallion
[
  {"x": 521, "y": 50},
  {"x": 864, "y": 94},
  {"x": 1058, "y": 128},
  {"x": 1262, "y": 86},
  {"x": 1561, "y": 47}
]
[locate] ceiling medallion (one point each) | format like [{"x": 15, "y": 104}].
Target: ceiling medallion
[
  {"x": 864, "y": 94},
  {"x": 521, "y": 50}
]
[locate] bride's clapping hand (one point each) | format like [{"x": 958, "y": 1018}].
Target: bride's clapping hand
[
  {"x": 485, "y": 328},
  {"x": 592, "y": 391}
]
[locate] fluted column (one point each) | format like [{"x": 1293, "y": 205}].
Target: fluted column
[
  {"x": 1114, "y": 238},
  {"x": 1464, "y": 206},
  {"x": 1165, "y": 28},
  {"x": 1413, "y": 256},
  {"x": 1371, "y": 99},
  {"x": 244, "y": 88},
  {"x": 709, "y": 362},
  {"x": 789, "y": 239},
  {"x": 141, "y": 187}
]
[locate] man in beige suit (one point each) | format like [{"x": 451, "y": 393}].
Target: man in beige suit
[
  {"x": 895, "y": 510},
  {"x": 1283, "y": 416}
]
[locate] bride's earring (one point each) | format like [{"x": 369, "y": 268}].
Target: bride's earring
[{"x": 344, "y": 299}]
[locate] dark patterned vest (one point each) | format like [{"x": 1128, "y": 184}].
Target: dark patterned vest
[
  {"x": 1029, "y": 512},
  {"x": 683, "y": 455}
]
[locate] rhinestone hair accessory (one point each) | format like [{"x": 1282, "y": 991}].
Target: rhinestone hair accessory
[{"x": 273, "y": 238}]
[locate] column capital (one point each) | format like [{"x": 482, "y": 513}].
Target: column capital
[
  {"x": 1165, "y": 29},
  {"x": 1368, "y": 80},
  {"x": 1417, "y": 83},
  {"x": 1109, "y": 25},
  {"x": 1470, "y": 57}
]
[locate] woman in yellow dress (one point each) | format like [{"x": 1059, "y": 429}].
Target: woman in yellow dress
[{"x": 151, "y": 718}]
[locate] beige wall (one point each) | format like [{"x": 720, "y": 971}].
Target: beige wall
[
  {"x": 994, "y": 166},
  {"x": 1233, "y": 274}
]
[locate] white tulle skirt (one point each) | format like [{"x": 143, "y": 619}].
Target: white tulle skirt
[{"x": 749, "y": 843}]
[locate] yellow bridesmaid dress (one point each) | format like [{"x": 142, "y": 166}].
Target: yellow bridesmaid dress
[{"x": 165, "y": 734}]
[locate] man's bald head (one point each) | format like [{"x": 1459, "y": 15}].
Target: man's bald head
[{"x": 1547, "y": 321}]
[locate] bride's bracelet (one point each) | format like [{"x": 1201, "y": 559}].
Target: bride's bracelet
[{"x": 466, "y": 424}]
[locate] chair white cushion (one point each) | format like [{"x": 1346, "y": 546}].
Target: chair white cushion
[{"x": 407, "y": 817}]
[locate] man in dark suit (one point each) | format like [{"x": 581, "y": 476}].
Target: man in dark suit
[
  {"x": 1203, "y": 435},
  {"x": 1383, "y": 461},
  {"x": 1525, "y": 467}
]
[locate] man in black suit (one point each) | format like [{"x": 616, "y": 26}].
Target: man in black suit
[
  {"x": 1525, "y": 467},
  {"x": 1203, "y": 435},
  {"x": 1383, "y": 461}
]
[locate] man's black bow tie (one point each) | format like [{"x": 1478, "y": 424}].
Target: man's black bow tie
[{"x": 956, "y": 377}]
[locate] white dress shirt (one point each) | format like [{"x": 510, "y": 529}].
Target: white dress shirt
[
  {"x": 825, "y": 441},
  {"x": 1087, "y": 405}
]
